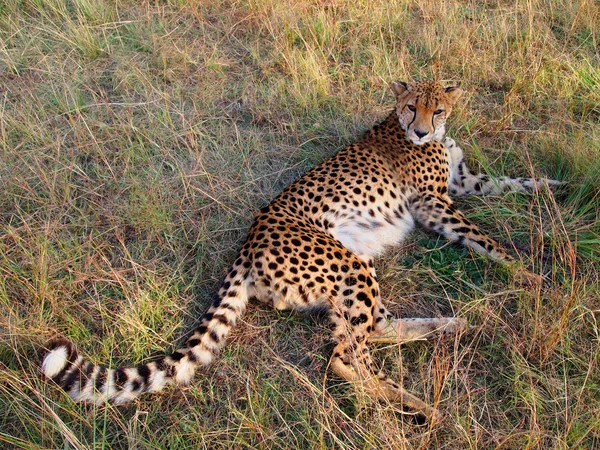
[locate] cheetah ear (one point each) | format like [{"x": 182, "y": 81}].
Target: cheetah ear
[
  {"x": 454, "y": 93},
  {"x": 399, "y": 87}
]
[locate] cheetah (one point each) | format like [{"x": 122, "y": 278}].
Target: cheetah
[{"x": 313, "y": 247}]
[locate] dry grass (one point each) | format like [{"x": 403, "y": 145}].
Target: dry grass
[{"x": 138, "y": 138}]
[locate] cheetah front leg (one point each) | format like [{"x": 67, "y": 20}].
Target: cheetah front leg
[
  {"x": 464, "y": 182},
  {"x": 437, "y": 213}
]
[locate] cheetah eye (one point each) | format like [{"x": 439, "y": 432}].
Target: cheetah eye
[
  {"x": 411, "y": 107},
  {"x": 439, "y": 111}
]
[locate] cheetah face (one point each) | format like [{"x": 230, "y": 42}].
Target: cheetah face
[{"x": 423, "y": 108}]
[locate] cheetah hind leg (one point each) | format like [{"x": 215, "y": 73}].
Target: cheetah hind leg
[
  {"x": 351, "y": 360},
  {"x": 377, "y": 384},
  {"x": 413, "y": 329}
]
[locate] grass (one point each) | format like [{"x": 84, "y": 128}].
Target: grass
[{"x": 138, "y": 139}]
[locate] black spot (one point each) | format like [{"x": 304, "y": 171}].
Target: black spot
[
  {"x": 359, "y": 319},
  {"x": 144, "y": 372},
  {"x": 73, "y": 376},
  {"x": 161, "y": 364},
  {"x": 86, "y": 373},
  {"x": 176, "y": 356},
  {"x": 120, "y": 377},
  {"x": 100, "y": 378},
  {"x": 362, "y": 297},
  {"x": 221, "y": 318}
]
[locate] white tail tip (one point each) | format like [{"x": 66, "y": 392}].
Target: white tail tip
[{"x": 55, "y": 361}]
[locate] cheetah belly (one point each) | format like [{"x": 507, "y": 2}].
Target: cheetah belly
[{"x": 370, "y": 236}]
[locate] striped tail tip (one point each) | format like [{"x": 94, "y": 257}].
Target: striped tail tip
[{"x": 59, "y": 355}]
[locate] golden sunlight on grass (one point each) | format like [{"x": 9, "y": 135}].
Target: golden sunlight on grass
[{"x": 137, "y": 140}]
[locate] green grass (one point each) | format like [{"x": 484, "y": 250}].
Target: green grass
[{"x": 137, "y": 139}]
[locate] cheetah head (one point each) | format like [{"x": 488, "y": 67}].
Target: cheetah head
[{"x": 423, "y": 108}]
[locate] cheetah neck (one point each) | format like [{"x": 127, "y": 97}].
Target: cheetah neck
[{"x": 389, "y": 126}]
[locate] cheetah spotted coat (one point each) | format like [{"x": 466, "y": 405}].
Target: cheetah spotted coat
[{"x": 313, "y": 247}]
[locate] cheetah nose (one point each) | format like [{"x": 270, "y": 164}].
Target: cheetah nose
[{"x": 420, "y": 133}]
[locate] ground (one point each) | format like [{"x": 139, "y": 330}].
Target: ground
[{"x": 139, "y": 138}]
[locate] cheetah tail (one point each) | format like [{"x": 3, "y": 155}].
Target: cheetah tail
[{"x": 85, "y": 381}]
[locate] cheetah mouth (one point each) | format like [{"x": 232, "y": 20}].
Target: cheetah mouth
[{"x": 420, "y": 141}]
